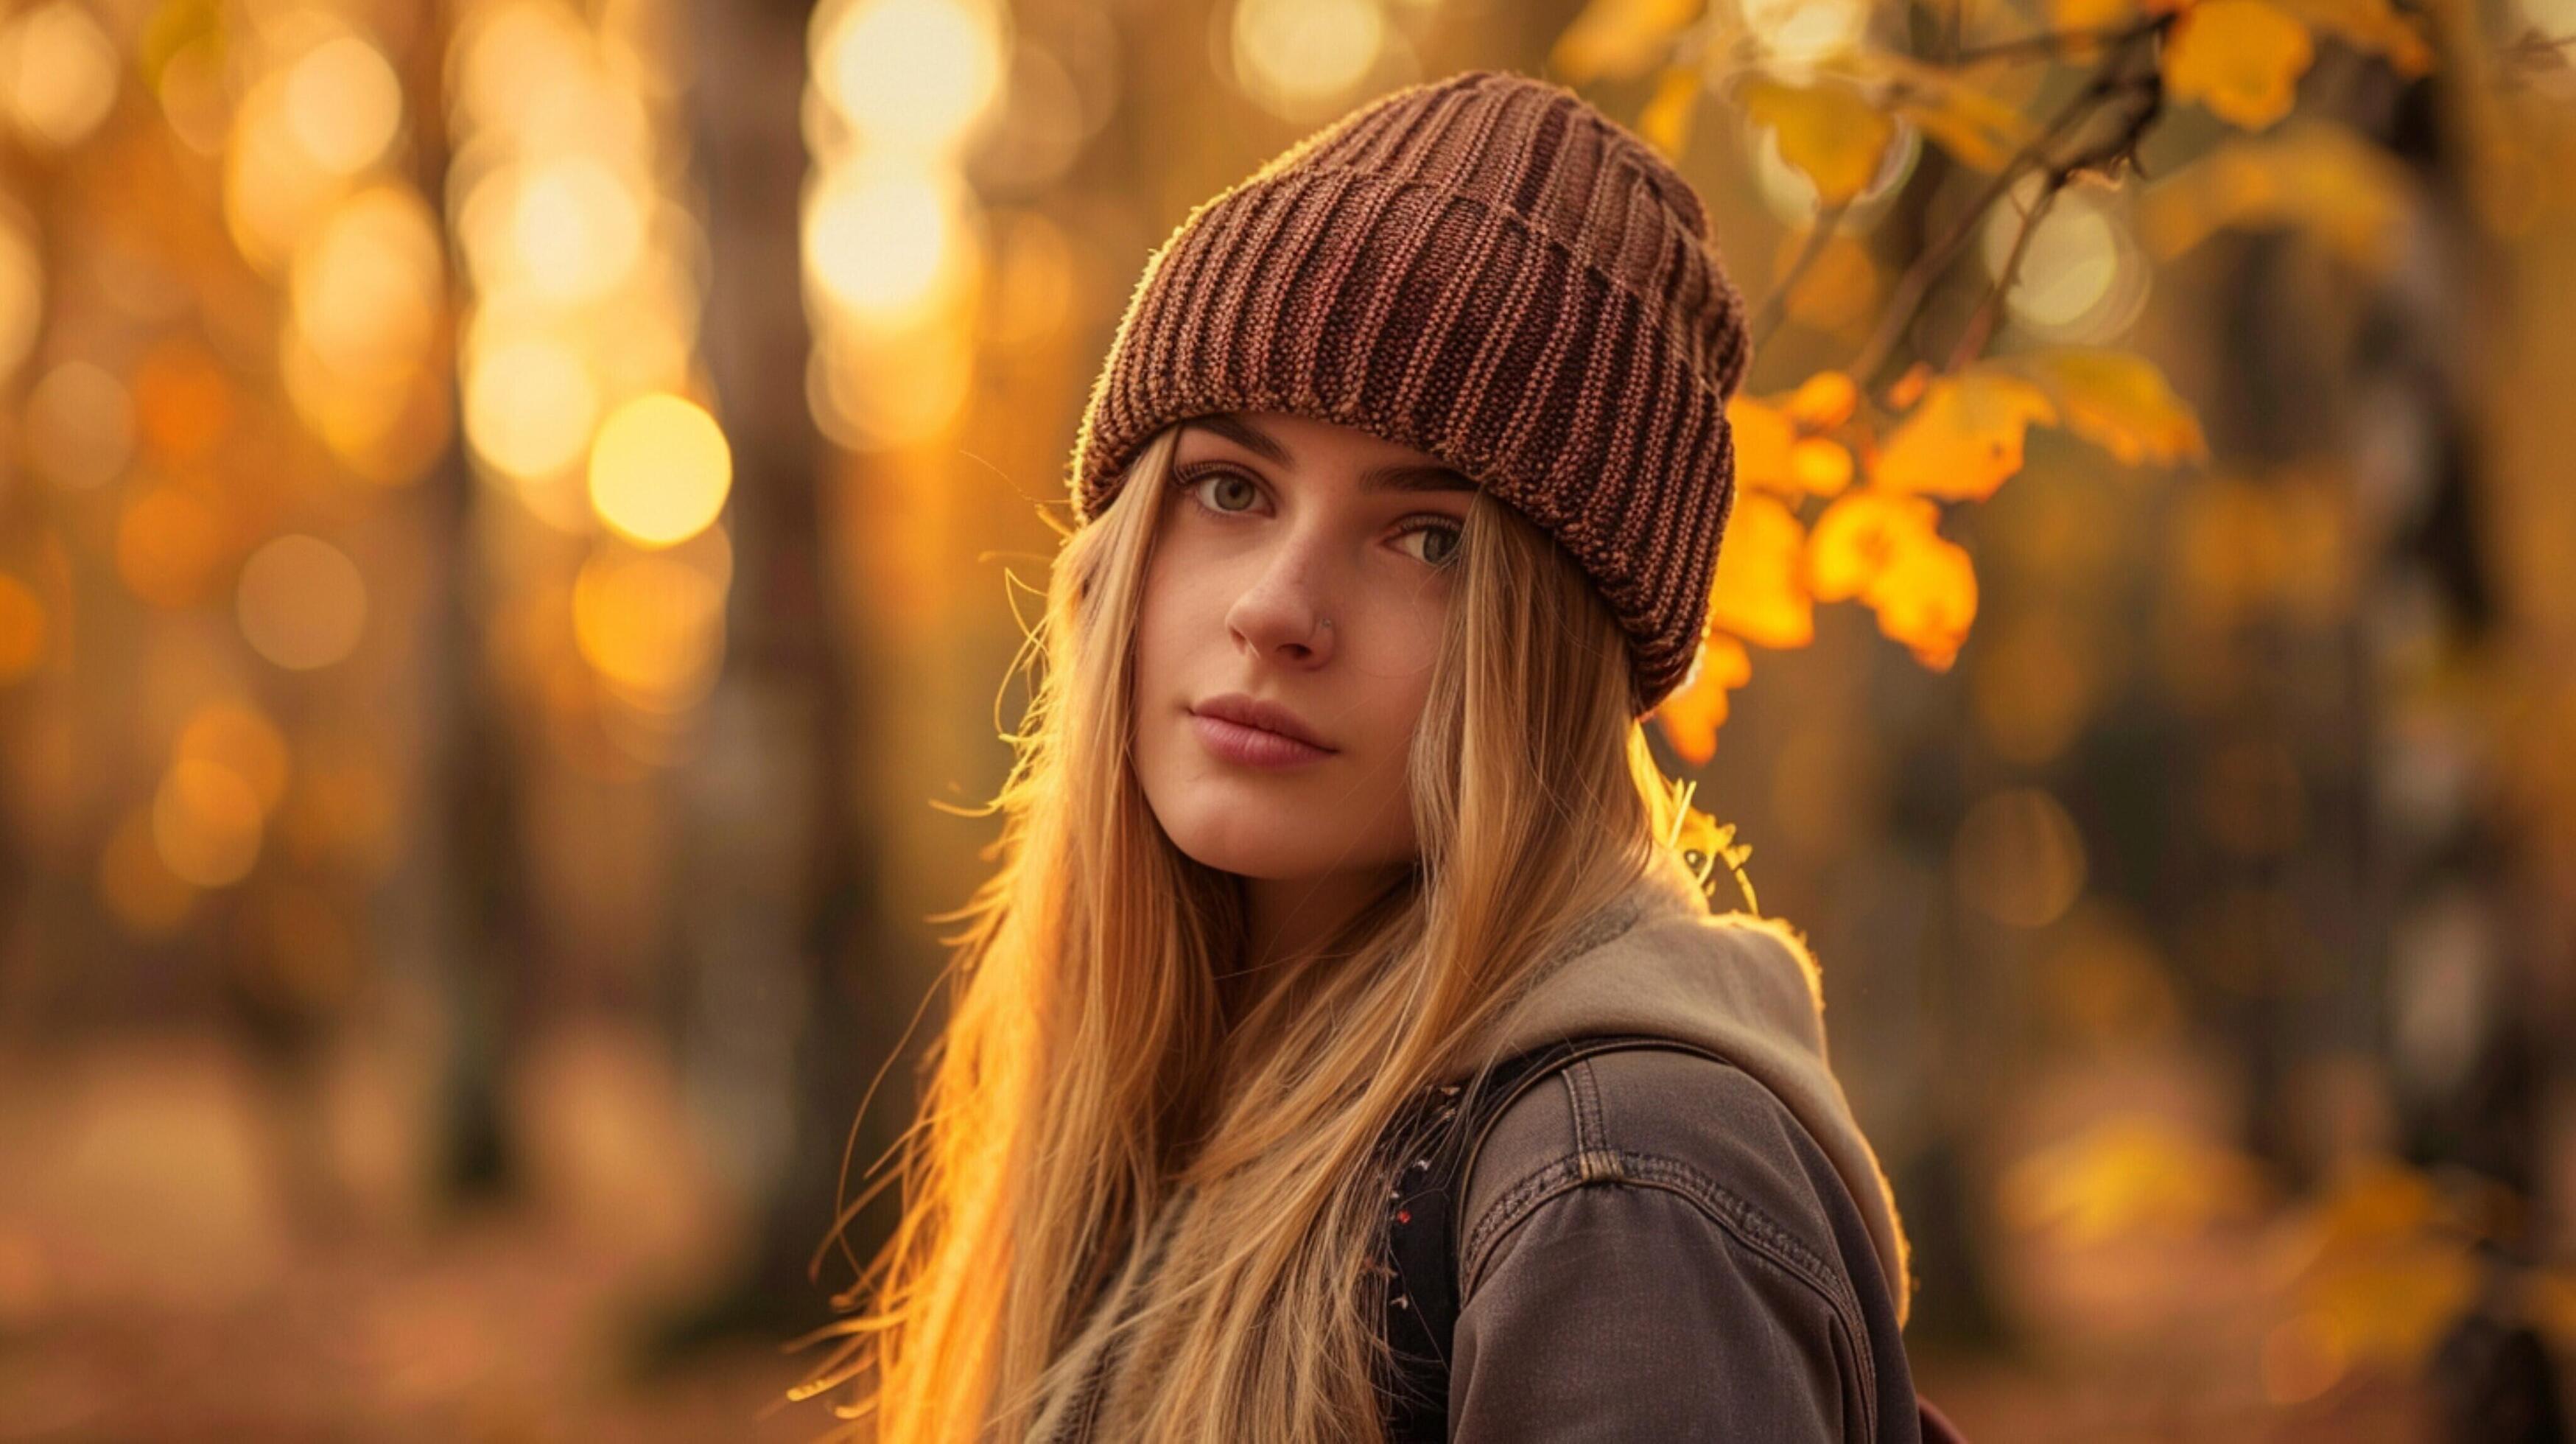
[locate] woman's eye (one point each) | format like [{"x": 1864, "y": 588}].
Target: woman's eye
[
  {"x": 1440, "y": 545},
  {"x": 1221, "y": 484}
]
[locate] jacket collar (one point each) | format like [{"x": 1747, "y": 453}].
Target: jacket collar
[{"x": 1656, "y": 960}]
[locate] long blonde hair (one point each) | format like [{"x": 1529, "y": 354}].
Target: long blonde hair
[{"x": 1102, "y": 1170}]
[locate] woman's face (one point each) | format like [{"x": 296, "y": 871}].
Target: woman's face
[{"x": 1274, "y": 526}]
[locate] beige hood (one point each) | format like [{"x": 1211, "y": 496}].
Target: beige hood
[{"x": 1656, "y": 960}]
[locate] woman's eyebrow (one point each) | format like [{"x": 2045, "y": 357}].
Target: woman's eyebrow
[
  {"x": 1246, "y": 435},
  {"x": 1402, "y": 476}
]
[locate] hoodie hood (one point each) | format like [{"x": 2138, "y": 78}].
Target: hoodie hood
[{"x": 1656, "y": 960}]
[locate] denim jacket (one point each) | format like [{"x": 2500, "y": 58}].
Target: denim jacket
[
  {"x": 1663, "y": 1219},
  {"x": 1656, "y": 1245}
]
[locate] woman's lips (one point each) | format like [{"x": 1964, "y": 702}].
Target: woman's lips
[{"x": 1251, "y": 746}]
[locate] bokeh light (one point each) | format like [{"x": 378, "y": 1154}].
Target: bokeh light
[
  {"x": 276, "y": 189},
  {"x": 344, "y": 103},
  {"x": 367, "y": 285},
  {"x": 302, "y": 603},
  {"x": 206, "y": 823},
  {"x": 58, "y": 72},
  {"x": 660, "y": 470},
  {"x": 79, "y": 425},
  {"x": 238, "y": 738},
  {"x": 573, "y": 231},
  {"x": 530, "y": 406},
  {"x": 1805, "y": 29},
  {"x": 169, "y": 544},
  {"x": 2082, "y": 276},
  {"x": 652, "y": 624},
  {"x": 1299, "y": 57},
  {"x": 916, "y": 75},
  {"x": 887, "y": 241},
  {"x": 2018, "y": 858}
]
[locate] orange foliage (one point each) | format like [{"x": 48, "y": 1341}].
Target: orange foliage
[
  {"x": 1823, "y": 401},
  {"x": 1827, "y": 130},
  {"x": 1760, "y": 593},
  {"x": 1965, "y": 437},
  {"x": 1666, "y": 121},
  {"x": 1770, "y": 455},
  {"x": 1926, "y": 598},
  {"x": 2321, "y": 178},
  {"x": 2371, "y": 26},
  {"x": 1979, "y": 130},
  {"x": 1692, "y": 715},
  {"x": 2119, "y": 402},
  {"x": 1884, "y": 461},
  {"x": 1859, "y": 535},
  {"x": 2240, "y": 58},
  {"x": 1882, "y": 547},
  {"x": 1616, "y": 39}
]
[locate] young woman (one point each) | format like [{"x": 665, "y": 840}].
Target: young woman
[{"x": 1399, "y": 499}]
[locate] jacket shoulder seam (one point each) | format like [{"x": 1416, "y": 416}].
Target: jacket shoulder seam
[
  {"x": 1734, "y": 1217},
  {"x": 1723, "y": 1205}
]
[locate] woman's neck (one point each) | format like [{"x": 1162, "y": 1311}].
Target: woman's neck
[{"x": 1287, "y": 921}]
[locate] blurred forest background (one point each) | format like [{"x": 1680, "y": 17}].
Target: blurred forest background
[{"x": 511, "y": 520}]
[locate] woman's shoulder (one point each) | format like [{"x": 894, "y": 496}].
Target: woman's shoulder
[
  {"x": 1666, "y": 1216},
  {"x": 1673, "y": 1120}
]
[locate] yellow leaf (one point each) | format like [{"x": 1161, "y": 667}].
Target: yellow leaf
[
  {"x": 1978, "y": 129},
  {"x": 2370, "y": 1199},
  {"x": 1709, "y": 847},
  {"x": 2393, "y": 1305},
  {"x": 1858, "y": 535},
  {"x": 1966, "y": 436},
  {"x": 1691, "y": 716},
  {"x": 1666, "y": 121},
  {"x": 2240, "y": 58},
  {"x": 2384, "y": 1254},
  {"x": 2090, "y": 14},
  {"x": 2371, "y": 26},
  {"x": 1907, "y": 389},
  {"x": 1820, "y": 466},
  {"x": 1926, "y": 598},
  {"x": 1770, "y": 455},
  {"x": 2118, "y": 401},
  {"x": 2066, "y": 16},
  {"x": 1619, "y": 38},
  {"x": 1763, "y": 439},
  {"x": 1760, "y": 592},
  {"x": 2127, "y": 1174},
  {"x": 2348, "y": 193},
  {"x": 1724, "y": 658},
  {"x": 1828, "y": 132},
  {"x": 1823, "y": 401}
]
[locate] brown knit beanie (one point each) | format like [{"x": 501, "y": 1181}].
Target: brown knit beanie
[{"x": 1487, "y": 269}]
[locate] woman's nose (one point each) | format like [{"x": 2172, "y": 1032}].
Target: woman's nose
[{"x": 1282, "y": 614}]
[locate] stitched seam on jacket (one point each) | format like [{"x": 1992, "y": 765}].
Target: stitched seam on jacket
[
  {"x": 1594, "y": 1158},
  {"x": 1735, "y": 1217},
  {"x": 1590, "y": 1132},
  {"x": 1506, "y": 1212},
  {"x": 1794, "y": 1256}
]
